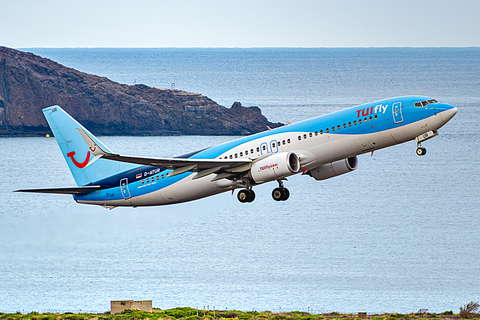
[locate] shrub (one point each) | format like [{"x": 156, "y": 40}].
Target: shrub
[
  {"x": 183, "y": 312},
  {"x": 469, "y": 310}
]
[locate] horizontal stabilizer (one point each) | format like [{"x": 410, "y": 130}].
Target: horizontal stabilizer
[{"x": 74, "y": 190}]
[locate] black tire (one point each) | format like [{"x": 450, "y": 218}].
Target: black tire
[
  {"x": 286, "y": 194},
  {"x": 421, "y": 151},
  {"x": 251, "y": 195},
  {"x": 277, "y": 194},
  {"x": 243, "y": 195}
]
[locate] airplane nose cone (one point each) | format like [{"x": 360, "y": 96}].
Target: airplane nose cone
[{"x": 448, "y": 114}]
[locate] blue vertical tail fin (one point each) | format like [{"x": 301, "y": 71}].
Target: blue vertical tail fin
[{"x": 82, "y": 158}]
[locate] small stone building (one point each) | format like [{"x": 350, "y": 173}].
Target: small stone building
[{"x": 120, "y": 305}]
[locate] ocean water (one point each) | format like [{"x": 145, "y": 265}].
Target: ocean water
[{"x": 399, "y": 234}]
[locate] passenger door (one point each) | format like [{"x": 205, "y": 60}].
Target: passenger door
[
  {"x": 397, "y": 112},
  {"x": 124, "y": 189}
]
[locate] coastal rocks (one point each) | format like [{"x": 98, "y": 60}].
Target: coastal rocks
[{"x": 29, "y": 83}]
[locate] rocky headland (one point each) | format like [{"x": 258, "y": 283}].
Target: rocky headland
[{"x": 29, "y": 83}]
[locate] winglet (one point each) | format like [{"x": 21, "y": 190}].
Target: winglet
[
  {"x": 97, "y": 150},
  {"x": 92, "y": 145}
]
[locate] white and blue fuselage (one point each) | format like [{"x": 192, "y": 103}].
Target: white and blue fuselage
[{"x": 320, "y": 147}]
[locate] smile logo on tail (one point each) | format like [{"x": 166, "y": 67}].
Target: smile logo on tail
[{"x": 80, "y": 165}]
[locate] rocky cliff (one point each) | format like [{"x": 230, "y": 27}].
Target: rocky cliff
[{"x": 29, "y": 83}]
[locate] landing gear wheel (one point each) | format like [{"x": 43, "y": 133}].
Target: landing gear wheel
[
  {"x": 280, "y": 194},
  {"x": 277, "y": 194},
  {"x": 421, "y": 151},
  {"x": 246, "y": 195},
  {"x": 251, "y": 195},
  {"x": 242, "y": 196}
]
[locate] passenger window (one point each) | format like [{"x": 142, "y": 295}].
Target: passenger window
[
  {"x": 143, "y": 182},
  {"x": 333, "y": 129},
  {"x": 316, "y": 133},
  {"x": 370, "y": 118},
  {"x": 359, "y": 121},
  {"x": 273, "y": 145},
  {"x": 158, "y": 177},
  {"x": 251, "y": 151},
  {"x": 349, "y": 124},
  {"x": 258, "y": 149},
  {"x": 326, "y": 130},
  {"x": 241, "y": 154},
  {"x": 304, "y": 136},
  {"x": 375, "y": 117},
  {"x": 288, "y": 140},
  {"x": 338, "y": 127},
  {"x": 299, "y": 137},
  {"x": 321, "y": 131},
  {"x": 163, "y": 176},
  {"x": 236, "y": 155},
  {"x": 231, "y": 157},
  {"x": 283, "y": 142},
  {"x": 264, "y": 147},
  {"x": 311, "y": 134},
  {"x": 365, "y": 120},
  {"x": 246, "y": 152},
  {"x": 344, "y": 125}
]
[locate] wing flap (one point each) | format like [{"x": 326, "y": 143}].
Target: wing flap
[
  {"x": 181, "y": 170},
  {"x": 206, "y": 172}
]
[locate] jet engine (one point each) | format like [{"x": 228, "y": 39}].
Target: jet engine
[
  {"x": 275, "y": 166},
  {"x": 333, "y": 169}
]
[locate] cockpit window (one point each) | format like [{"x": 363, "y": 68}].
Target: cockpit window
[{"x": 421, "y": 104}]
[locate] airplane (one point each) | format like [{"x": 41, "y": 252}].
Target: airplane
[{"x": 322, "y": 147}]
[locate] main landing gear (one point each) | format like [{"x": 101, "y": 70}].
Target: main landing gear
[
  {"x": 246, "y": 195},
  {"x": 281, "y": 193},
  {"x": 278, "y": 194}
]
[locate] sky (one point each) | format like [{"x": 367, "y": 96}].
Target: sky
[{"x": 240, "y": 23}]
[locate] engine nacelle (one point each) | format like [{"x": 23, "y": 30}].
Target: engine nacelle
[
  {"x": 334, "y": 169},
  {"x": 275, "y": 166}
]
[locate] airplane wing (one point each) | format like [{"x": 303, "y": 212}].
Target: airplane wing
[
  {"x": 224, "y": 168},
  {"x": 73, "y": 190}
]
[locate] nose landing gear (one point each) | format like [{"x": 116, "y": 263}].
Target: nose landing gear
[{"x": 427, "y": 135}]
